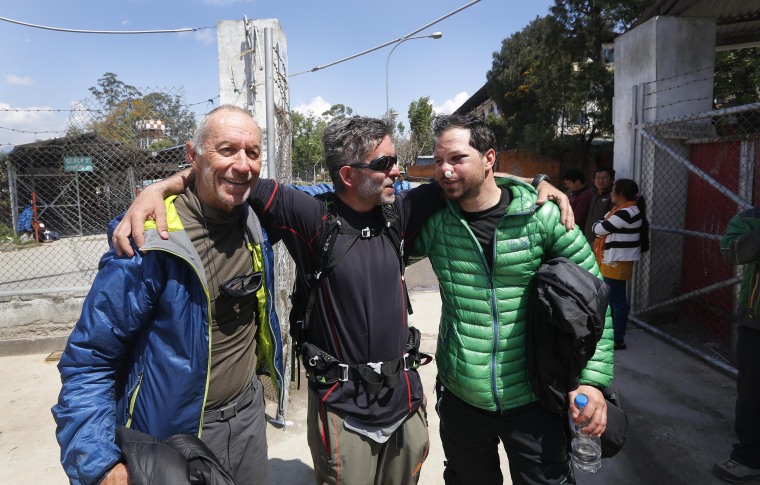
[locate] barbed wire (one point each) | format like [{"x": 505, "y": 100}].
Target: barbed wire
[
  {"x": 680, "y": 85},
  {"x": 677, "y": 76},
  {"x": 680, "y": 101},
  {"x": 31, "y": 132},
  {"x": 77, "y": 110}
]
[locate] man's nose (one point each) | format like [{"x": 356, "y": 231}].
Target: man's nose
[{"x": 241, "y": 161}]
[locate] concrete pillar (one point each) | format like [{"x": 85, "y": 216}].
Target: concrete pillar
[
  {"x": 240, "y": 48},
  {"x": 663, "y": 71}
]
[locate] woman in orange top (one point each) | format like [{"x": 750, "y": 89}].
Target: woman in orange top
[{"x": 618, "y": 246}]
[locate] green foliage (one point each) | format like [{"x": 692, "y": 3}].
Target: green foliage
[
  {"x": 113, "y": 91},
  {"x": 338, "y": 111},
  {"x": 737, "y": 77},
  {"x": 420, "y": 122},
  {"x": 6, "y": 233},
  {"x": 161, "y": 145},
  {"x": 549, "y": 80},
  {"x": 307, "y": 149},
  {"x": 123, "y": 105}
]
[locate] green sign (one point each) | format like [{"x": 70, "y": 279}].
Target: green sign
[{"x": 77, "y": 164}]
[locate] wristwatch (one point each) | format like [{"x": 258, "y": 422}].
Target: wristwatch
[{"x": 540, "y": 178}]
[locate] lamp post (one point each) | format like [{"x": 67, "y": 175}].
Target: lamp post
[{"x": 434, "y": 35}]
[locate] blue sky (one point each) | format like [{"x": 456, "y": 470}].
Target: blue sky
[{"x": 49, "y": 70}]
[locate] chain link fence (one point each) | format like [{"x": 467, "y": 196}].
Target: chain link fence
[
  {"x": 63, "y": 192},
  {"x": 696, "y": 172}
]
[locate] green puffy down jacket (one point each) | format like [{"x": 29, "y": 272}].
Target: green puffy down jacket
[{"x": 481, "y": 340}]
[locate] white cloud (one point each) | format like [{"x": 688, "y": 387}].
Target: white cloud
[
  {"x": 205, "y": 36},
  {"x": 315, "y": 107},
  {"x": 450, "y": 105},
  {"x": 29, "y": 123},
  {"x": 125, "y": 22},
  {"x": 18, "y": 80}
]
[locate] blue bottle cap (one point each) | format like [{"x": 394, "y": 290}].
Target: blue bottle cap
[{"x": 581, "y": 400}]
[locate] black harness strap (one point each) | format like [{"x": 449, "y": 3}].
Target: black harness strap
[
  {"x": 323, "y": 368},
  {"x": 330, "y": 254}
]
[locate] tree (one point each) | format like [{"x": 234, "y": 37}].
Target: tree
[
  {"x": 122, "y": 106},
  {"x": 550, "y": 79},
  {"x": 420, "y": 123},
  {"x": 737, "y": 77},
  {"x": 520, "y": 82},
  {"x": 338, "y": 111},
  {"x": 307, "y": 149},
  {"x": 113, "y": 91}
]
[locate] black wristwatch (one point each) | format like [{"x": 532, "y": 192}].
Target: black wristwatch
[{"x": 540, "y": 178}]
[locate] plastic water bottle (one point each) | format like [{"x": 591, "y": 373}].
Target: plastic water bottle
[{"x": 587, "y": 450}]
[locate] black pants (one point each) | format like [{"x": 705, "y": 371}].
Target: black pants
[
  {"x": 533, "y": 438},
  {"x": 747, "y": 425}
]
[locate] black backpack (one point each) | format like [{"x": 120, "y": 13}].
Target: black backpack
[{"x": 306, "y": 286}]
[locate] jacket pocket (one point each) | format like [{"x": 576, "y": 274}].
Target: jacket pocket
[{"x": 131, "y": 398}]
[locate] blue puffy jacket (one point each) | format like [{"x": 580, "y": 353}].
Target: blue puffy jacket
[{"x": 139, "y": 354}]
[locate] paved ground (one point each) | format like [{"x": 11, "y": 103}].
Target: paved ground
[{"x": 680, "y": 411}]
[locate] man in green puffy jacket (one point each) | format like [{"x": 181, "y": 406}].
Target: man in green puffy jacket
[
  {"x": 485, "y": 246},
  {"x": 741, "y": 245}
]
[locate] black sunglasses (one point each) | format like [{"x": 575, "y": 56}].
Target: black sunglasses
[
  {"x": 242, "y": 286},
  {"x": 381, "y": 164}
]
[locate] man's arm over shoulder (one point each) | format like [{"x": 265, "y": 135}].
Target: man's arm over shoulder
[
  {"x": 97, "y": 349},
  {"x": 286, "y": 211},
  {"x": 418, "y": 205},
  {"x": 741, "y": 242}
]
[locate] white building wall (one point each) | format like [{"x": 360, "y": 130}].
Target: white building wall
[
  {"x": 240, "y": 49},
  {"x": 670, "y": 56},
  {"x": 663, "y": 70}
]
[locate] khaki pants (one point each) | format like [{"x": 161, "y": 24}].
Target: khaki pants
[{"x": 342, "y": 457}]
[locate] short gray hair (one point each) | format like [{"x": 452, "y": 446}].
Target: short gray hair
[
  {"x": 350, "y": 140},
  {"x": 201, "y": 132}
]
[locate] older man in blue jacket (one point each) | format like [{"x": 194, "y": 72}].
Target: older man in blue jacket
[{"x": 170, "y": 339}]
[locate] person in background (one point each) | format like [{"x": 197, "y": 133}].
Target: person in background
[
  {"x": 401, "y": 184},
  {"x": 170, "y": 339},
  {"x": 579, "y": 194},
  {"x": 741, "y": 245},
  {"x": 618, "y": 247},
  {"x": 601, "y": 203},
  {"x": 484, "y": 246}
]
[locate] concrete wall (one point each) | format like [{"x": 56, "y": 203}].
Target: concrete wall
[
  {"x": 240, "y": 49},
  {"x": 38, "y": 322},
  {"x": 669, "y": 61}
]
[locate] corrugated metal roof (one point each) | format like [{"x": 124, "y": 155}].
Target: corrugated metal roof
[{"x": 738, "y": 21}]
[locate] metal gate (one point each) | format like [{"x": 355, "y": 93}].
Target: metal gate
[{"x": 695, "y": 173}]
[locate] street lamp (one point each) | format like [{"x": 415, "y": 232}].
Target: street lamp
[{"x": 434, "y": 35}]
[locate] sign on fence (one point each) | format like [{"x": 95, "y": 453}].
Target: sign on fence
[{"x": 77, "y": 164}]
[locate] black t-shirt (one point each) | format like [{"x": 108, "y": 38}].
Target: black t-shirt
[
  {"x": 360, "y": 314},
  {"x": 483, "y": 223}
]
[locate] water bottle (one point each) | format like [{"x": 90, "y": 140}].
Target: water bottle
[{"x": 586, "y": 449}]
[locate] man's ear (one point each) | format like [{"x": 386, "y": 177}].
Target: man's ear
[
  {"x": 191, "y": 154},
  {"x": 347, "y": 175},
  {"x": 490, "y": 158}
]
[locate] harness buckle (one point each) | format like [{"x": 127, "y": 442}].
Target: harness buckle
[
  {"x": 343, "y": 372},
  {"x": 313, "y": 361},
  {"x": 406, "y": 362},
  {"x": 366, "y": 233}
]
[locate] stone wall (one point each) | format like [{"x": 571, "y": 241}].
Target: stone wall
[{"x": 38, "y": 322}]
